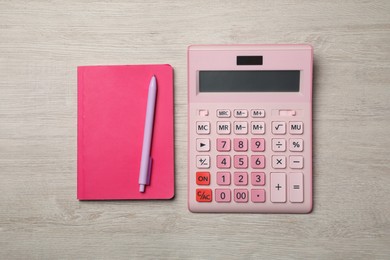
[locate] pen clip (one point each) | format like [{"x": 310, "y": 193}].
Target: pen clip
[{"x": 149, "y": 171}]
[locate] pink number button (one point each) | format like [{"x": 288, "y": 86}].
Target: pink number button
[
  {"x": 241, "y": 178},
  {"x": 258, "y": 161},
  {"x": 222, "y": 195},
  {"x": 257, "y": 144},
  {"x": 223, "y": 144},
  {"x": 240, "y": 144},
  {"x": 258, "y": 178},
  {"x": 257, "y": 196},
  {"x": 223, "y": 161},
  {"x": 223, "y": 178},
  {"x": 240, "y": 161},
  {"x": 241, "y": 195}
]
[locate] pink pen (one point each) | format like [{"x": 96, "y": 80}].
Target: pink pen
[{"x": 146, "y": 159}]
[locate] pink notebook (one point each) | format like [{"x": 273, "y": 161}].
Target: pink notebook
[{"x": 111, "y": 116}]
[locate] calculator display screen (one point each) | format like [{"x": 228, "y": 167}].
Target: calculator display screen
[{"x": 249, "y": 81}]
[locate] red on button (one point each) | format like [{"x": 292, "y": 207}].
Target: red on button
[
  {"x": 203, "y": 178},
  {"x": 203, "y": 195}
]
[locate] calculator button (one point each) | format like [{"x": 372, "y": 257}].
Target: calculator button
[
  {"x": 258, "y": 178},
  {"x": 203, "y": 145},
  {"x": 278, "y": 145},
  {"x": 204, "y": 195},
  {"x": 240, "y": 113},
  {"x": 222, "y": 195},
  {"x": 296, "y": 145},
  {"x": 240, "y": 144},
  {"x": 223, "y": 161},
  {"x": 296, "y": 162},
  {"x": 223, "y": 144},
  {"x": 257, "y": 161},
  {"x": 279, "y": 162},
  {"x": 296, "y": 187},
  {"x": 279, "y": 128},
  {"x": 203, "y": 112},
  {"x": 241, "y": 128},
  {"x": 223, "y": 178},
  {"x": 257, "y": 195},
  {"x": 278, "y": 187},
  {"x": 223, "y": 128},
  {"x": 296, "y": 128},
  {"x": 240, "y": 178},
  {"x": 257, "y": 144},
  {"x": 257, "y": 128},
  {"x": 203, "y": 161},
  {"x": 223, "y": 113},
  {"x": 203, "y": 128},
  {"x": 258, "y": 113},
  {"x": 240, "y": 161},
  {"x": 241, "y": 195},
  {"x": 203, "y": 178}
]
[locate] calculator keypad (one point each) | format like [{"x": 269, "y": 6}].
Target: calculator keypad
[{"x": 244, "y": 157}]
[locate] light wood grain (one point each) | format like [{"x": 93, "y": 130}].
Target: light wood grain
[{"x": 42, "y": 43}]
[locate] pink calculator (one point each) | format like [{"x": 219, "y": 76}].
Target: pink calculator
[{"x": 250, "y": 128}]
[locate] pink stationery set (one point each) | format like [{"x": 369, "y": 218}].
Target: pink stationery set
[{"x": 112, "y": 108}]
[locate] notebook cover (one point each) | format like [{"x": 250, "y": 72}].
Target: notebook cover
[{"x": 111, "y": 116}]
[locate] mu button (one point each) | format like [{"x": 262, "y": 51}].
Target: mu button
[
  {"x": 203, "y": 195},
  {"x": 202, "y": 178}
]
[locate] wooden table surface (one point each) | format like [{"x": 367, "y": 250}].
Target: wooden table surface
[{"x": 42, "y": 43}]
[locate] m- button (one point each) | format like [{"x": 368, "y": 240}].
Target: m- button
[{"x": 240, "y": 113}]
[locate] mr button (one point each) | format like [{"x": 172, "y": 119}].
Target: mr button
[
  {"x": 203, "y": 195},
  {"x": 202, "y": 178}
]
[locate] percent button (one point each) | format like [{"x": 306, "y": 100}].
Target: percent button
[{"x": 296, "y": 145}]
